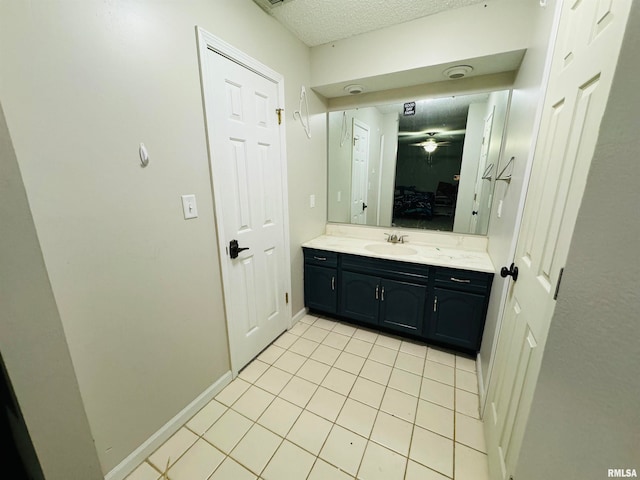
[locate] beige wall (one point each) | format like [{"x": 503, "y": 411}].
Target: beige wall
[
  {"x": 34, "y": 350},
  {"x": 584, "y": 418},
  {"x": 137, "y": 287}
]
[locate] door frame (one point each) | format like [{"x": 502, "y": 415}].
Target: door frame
[
  {"x": 360, "y": 124},
  {"x": 207, "y": 42}
]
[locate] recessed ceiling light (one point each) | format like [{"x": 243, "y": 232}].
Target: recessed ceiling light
[
  {"x": 458, "y": 71},
  {"x": 354, "y": 89}
]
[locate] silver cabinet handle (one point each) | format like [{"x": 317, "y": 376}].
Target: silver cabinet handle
[
  {"x": 435, "y": 304},
  {"x": 322, "y": 259},
  {"x": 459, "y": 280},
  {"x": 377, "y": 288},
  {"x": 382, "y": 297},
  {"x": 333, "y": 283}
]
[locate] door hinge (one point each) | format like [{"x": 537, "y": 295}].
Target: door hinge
[
  {"x": 279, "y": 113},
  {"x": 286, "y": 298},
  {"x": 555, "y": 295}
]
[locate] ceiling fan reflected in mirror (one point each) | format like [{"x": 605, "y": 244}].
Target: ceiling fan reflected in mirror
[{"x": 431, "y": 143}]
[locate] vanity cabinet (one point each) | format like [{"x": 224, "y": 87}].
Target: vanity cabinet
[
  {"x": 440, "y": 305},
  {"x": 321, "y": 280}
]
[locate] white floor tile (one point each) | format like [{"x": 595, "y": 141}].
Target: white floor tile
[
  {"x": 415, "y": 471},
  {"x": 470, "y": 432},
  {"x": 325, "y": 323},
  {"x": 394, "y": 433},
  {"x": 336, "y": 340},
  {"x": 344, "y": 329},
  {"x": 256, "y": 448},
  {"x": 300, "y": 327},
  {"x": 273, "y": 380},
  {"x": 441, "y": 356},
  {"x": 303, "y": 347},
  {"x": 350, "y": 363},
  {"x": 144, "y": 472},
  {"x": 470, "y": 464},
  {"x": 437, "y": 392},
  {"x": 315, "y": 334},
  {"x": 466, "y": 381},
  {"x": 368, "y": 392},
  {"x": 412, "y": 348},
  {"x": 405, "y": 382},
  {"x": 389, "y": 342},
  {"x": 399, "y": 404},
  {"x": 467, "y": 403},
  {"x": 380, "y": 463},
  {"x": 325, "y": 354},
  {"x": 366, "y": 335},
  {"x": 271, "y": 354},
  {"x": 280, "y": 416},
  {"x": 344, "y": 449},
  {"x": 207, "y": 416},
  {"x": 313, "y": 371},
  {"x": 339, "y": 381},
  {"x": 252, "y": 372},
  {"x": 326, "y": 403},
  {"x": 439, "y": 372},
  {"x": 286, "y": 340},
  {"x": 232, "y": 392},
  {"x": 298, "y": 391},
  {"x": 435, "y": 418},
  {"x": 324, "y": 471},
  {"x": 290, "y": 362},
  {"x": 309, "y": 432},
  {"x": 465, "y": 363},
  {"x": 410, "y": 363},
  {"x": 198, "y": 463},
  {"x": 358, "y": 347},
  {"x": 383, "y": 355},
  {"x": 228, "y": 430},
  {"x": 357, "y": 417},
  {"x": 308, "y": 319},
  {"x": 253, "y": 402},
  {"x": 232, "y": 470},
  {"x": 376, "y": 372},
  {"x": 432, "y": 450},
  {"x": 173, "y": 449},
  {"x": 290, "y": 462}
]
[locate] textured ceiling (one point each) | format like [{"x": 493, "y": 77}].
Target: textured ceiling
[{"x": 317, "y": 22}]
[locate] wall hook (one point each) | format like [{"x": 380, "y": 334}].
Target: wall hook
[
  {"x": 506, "y": 177},
  {"x": 144, "y": 155},
  {"x": 298, "y": 113}
]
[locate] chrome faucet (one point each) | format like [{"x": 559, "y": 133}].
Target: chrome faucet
[{"x": 394, "y": 238}]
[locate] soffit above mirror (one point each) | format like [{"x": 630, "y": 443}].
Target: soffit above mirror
[{"x": 316, "y": 23}]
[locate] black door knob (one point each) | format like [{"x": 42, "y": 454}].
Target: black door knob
[
  {"x": 511, "y": 271},
  {"x": 234, "y": 249},
  {"x": 474, "y": 212},
  {"x": 364, "y": 205}
]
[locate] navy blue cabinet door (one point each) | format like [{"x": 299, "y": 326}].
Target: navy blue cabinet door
[
  {"x": 457, "y": 318},
  {"x": 402, "y": 306},
  {"x": 320, "y": 288},
  {"x": 359, "y": 296}
]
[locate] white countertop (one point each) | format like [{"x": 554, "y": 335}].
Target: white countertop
[{"x": 412, "y": 252}]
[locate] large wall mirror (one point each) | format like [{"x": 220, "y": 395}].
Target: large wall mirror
[{"x": 428, "y": 164}]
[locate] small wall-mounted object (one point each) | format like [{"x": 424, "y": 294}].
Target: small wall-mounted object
[
  {"x": 487, "y": 172},
  {"x": 503, "y": 175},
  {"x": 304, "y": 120},
  {"x": 189, "y": 207},
  {"x": 144, "y": 155}
]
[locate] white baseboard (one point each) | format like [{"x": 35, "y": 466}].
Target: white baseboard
[
  {"x": 296, "y": 318},
  {"x": 481, "y": 390},
  {"x": 130, "y": 463}
]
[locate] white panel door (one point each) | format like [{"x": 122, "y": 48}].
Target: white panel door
[
  {"x": 248, "y": 188},
  {"x": 359, "y": 173},
  {"x": 584, "y": 60}
]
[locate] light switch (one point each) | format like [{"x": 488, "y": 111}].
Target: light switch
[{"x": 189, "y": 206}]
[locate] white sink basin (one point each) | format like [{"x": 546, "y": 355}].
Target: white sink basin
[{"x": 390, "y": 249}]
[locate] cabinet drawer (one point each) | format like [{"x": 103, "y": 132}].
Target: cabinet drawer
[
  {"x": 320, "y": 257},
  {"x": 403, "y": 271},
  {"x": 463, "y": 279}
]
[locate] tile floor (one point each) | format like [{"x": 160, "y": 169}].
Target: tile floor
[{"x": 329, "y": 401}]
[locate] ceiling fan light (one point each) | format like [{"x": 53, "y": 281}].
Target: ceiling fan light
[{"x": 430, "y": 146}]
